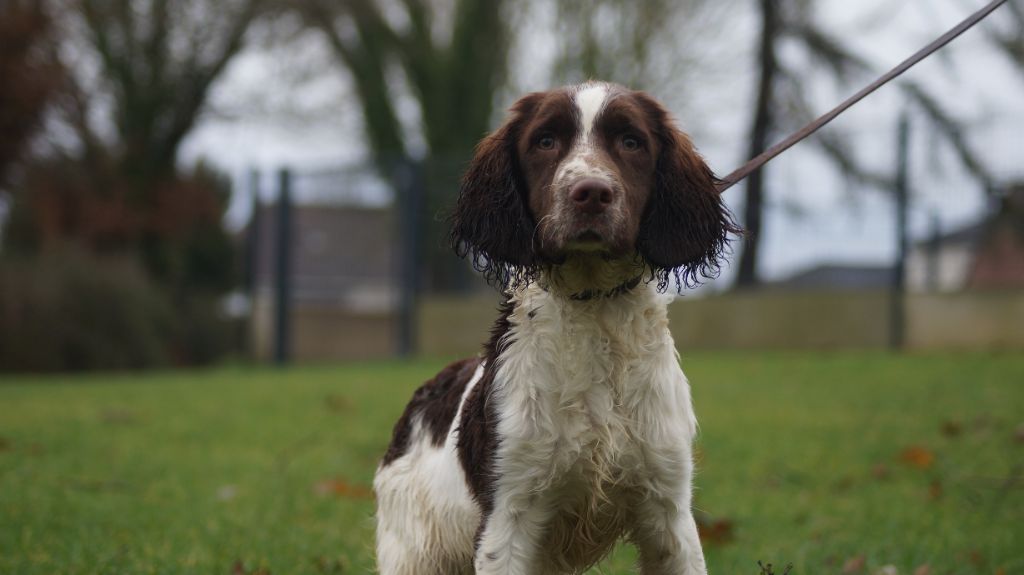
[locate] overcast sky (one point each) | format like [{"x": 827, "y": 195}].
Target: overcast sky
[{"x": 814, "y": 216}]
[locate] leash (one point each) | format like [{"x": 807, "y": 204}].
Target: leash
[{"x": 764, "y": 157}]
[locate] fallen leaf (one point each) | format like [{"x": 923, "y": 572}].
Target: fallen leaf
[
  {"x": 923, "y": 570},
  {"x": 714, "y": 531},
  {"x": 917, "y": 456},
  {"x": 976, "y": 558},
  {"x": 239, "y": 569},
  {"x": 331, "y": 566},
  {"x": 951, "y": 428},
  {"x": 935, "y": 490},
  {"x": 1018, "y": 434},
  {"x": 887, "y": 570},
  {"x": 854, "y": 565},
  {"x": 1000, "y": 571},
  {"x": 880, "y": 471},
  {"x": 843, "y": 484},
  {"x": 342, "y": 488},
  {"x": 338, "y": 403}
]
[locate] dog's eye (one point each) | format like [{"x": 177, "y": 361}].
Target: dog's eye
[
  {"x": 631, "y": 143},
  {"x": 546, "y": 143}
]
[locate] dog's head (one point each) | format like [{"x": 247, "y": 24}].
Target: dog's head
[{"x": 594, "y": 169}]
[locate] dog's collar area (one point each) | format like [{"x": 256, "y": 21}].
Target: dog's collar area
[{"x": 592, "y": 294}]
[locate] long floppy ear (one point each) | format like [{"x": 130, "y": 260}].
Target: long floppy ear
[
  {"x": 685, "y": 227},
  {"x": 492, "y": 223}
]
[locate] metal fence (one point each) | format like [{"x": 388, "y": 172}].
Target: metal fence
[{"x": 339, "y": 262}]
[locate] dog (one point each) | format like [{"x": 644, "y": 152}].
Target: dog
[{"x": 574, "y": 427}]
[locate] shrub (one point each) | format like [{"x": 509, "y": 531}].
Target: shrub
[{"x": 69, "y": 310}]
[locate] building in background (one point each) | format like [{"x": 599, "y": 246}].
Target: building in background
[
  {"x": 345, "y": 293},
  {"x": 999, "y": 261},
  {"x": 984, "y": 255},
  {"x": 942, "y": 263},
  {"x": 987, "y": 254},
  {"x": 343, "y": 287},
  {"x": 836, "y": 277}
]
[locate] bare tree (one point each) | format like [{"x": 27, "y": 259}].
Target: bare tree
[
  {"x": 763, "y": 124},
  {"x": 139, "y": 75},
  {"x": 781, "y": 107},
  {"x": 158, "y": 60},
  {"x": 655, "y": 45},
  {"x": 450, "y": 59},
  {"x": 453, "y": 60},
  {"x": 451, "y": 63},
  {"x": 953, "y": 131},
  {"x": 1011, "y": 39},
  {"x": 32, "y": 73}
]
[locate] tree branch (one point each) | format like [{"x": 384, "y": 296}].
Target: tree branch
[
  {"x": 184, "y": 116},
  {"x": 828, "y": 51},
  {"x": 831, "y": 143},
  {"x": 952, "y": 130},
  {"x": 366, "y": 62}
]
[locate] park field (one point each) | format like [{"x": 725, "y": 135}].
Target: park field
[{"x": 837, "y": 463}]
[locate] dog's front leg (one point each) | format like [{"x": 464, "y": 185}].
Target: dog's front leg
[
  {"x": 511, "y": 531},
  {"x": 665, "y": 531},
  {"x": 511, "y": 535},
  {"x": 668, "y": 541}
]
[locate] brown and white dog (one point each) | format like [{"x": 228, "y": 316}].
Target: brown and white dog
[{"x": 574, "y": 427}]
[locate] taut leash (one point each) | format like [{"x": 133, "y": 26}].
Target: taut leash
[{"x": 763, "y": 158}]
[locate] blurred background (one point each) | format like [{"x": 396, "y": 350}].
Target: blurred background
[
  {"x": 190, "y": 181},
  {"x": 247, "y": 185}
]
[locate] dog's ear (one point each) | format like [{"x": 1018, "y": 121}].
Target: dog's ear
[
  {"x": 492, "y": 224},
  {"x": 685, "y": 227}
]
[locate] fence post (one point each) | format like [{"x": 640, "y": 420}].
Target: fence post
[
  {"x": 252, "y": 234},
  {"x": 408, "y": 194},
  {"x": 897, "y": 313},
  {"x": 282, "y": 270},
  {"x": 253, "y": 238},
  {"x": 934, "y": 253}
]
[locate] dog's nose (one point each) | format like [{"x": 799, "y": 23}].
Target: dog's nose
[{"x": 591, "y": 196}]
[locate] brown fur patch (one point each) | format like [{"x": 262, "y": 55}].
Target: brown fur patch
[
  {"x": 478, "y": 433},
  {"x": 435, "y": 404},
  {"x": 686, "y": 226}
]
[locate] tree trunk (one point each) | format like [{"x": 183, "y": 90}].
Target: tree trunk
[
  {"x": 443, "y": 271},
  {"x": 753, "y": 210},
  {"x": 454, "y": 82}
]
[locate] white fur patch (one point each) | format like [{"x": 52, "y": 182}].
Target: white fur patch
[
  {"x": 426, "y": 518},
  {"x": 590, "y": 100},
  {"x": 596, "y": 425},
  {"x": 594, "y": 429},
  {"x": 581, "y": 160}
]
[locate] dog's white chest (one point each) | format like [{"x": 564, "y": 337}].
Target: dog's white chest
[
  {"x": 595, "y": 411},
  {"x": 582, "y": 382}
]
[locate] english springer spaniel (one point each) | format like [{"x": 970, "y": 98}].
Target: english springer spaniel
[{"x": 574, "y": 427}]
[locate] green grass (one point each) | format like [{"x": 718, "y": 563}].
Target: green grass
[{"x": 189, "y": 472}]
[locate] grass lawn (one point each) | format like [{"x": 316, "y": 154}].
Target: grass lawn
[{"x": 813, "y": 460}]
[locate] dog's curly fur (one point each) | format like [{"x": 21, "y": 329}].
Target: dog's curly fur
[{"x": 574, "y": 427}]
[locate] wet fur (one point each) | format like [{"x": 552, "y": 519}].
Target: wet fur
[{"x": 574, "y": 428}]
